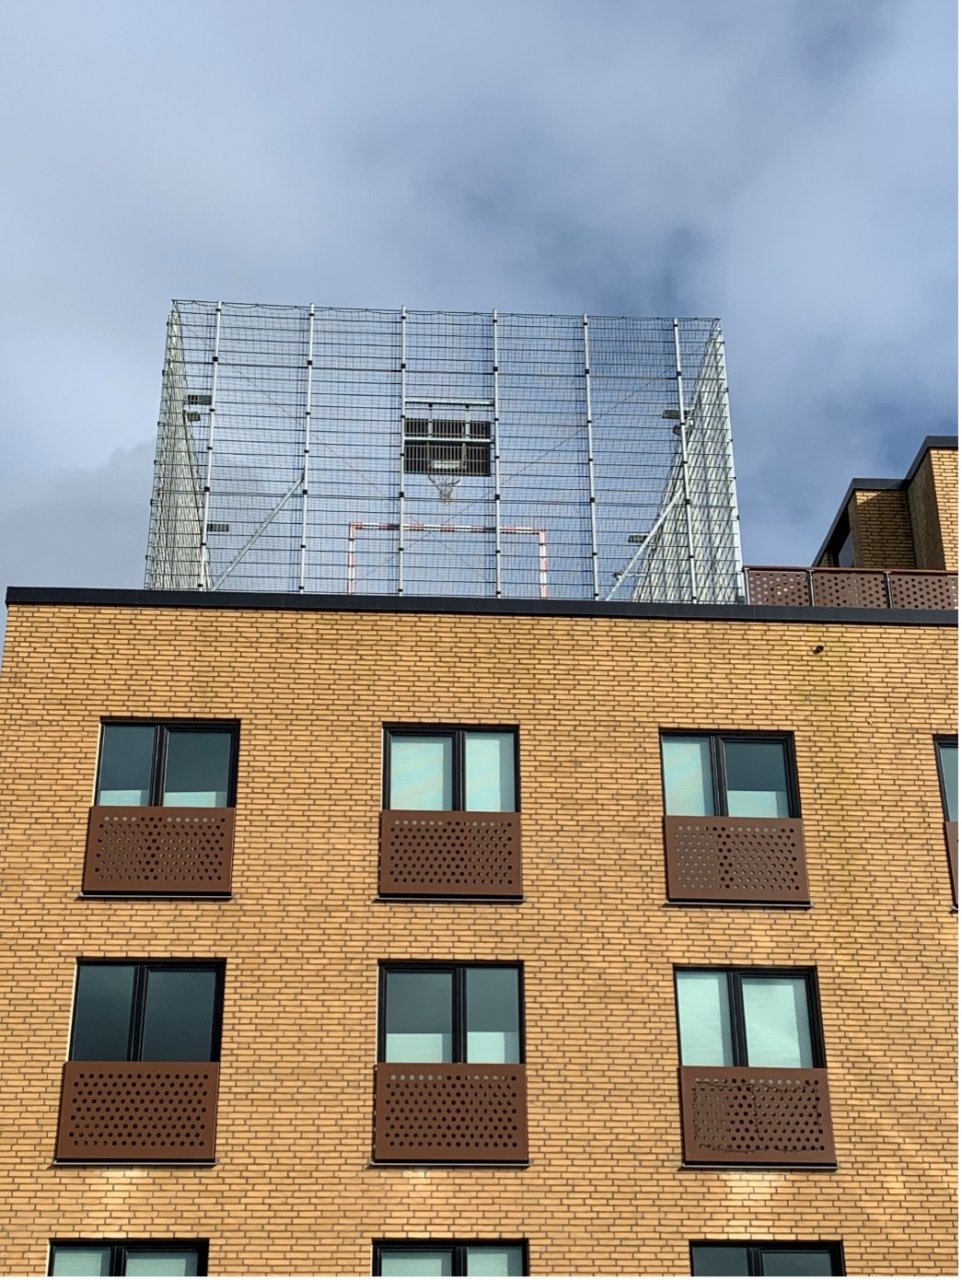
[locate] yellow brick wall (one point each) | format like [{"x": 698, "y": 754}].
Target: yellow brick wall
[
  {"x": 933, "y": 498},
  {"x": 292, "y": 1191},
  {"x": 881, "y": 529}
]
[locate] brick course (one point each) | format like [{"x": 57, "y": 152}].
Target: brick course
[{"x": 293, "y": 1192}]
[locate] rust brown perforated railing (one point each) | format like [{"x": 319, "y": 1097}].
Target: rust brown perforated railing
[
  {"x": 133, "y": 1112},
  {"x": 756, "y": 1115},
  {"x": 952, "y": 849},
  {"x": 450, "y": 854},
  {"x": 852, "y": 588},
  {"x": 158, "y": 850},
  {"x": 735, "y": 860},
  {"x": 450, "y": 1113}
]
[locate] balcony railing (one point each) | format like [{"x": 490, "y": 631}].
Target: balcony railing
[
  {"x": 154, "y": 850},
  {"x": 852, "y": 588},
  {"x": 136, "y": 1112},
  {"x": 463, "y": 854},
  {"x": 756, "y": 1115},
  {"x": 735, "y": 860},
  {"x": 952, "y": 849},
  {"x": 450, "y": 1113}
]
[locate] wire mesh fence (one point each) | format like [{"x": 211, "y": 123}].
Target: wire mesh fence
[{"x": 322, "y": 449}]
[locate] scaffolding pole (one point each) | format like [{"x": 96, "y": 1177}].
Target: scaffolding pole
[
  {"x": 203, "y": 568},
  {"x": 302, "y": 567},
  {"x": 683, "y": 438},
  {"x": 734, "y": 522},
  {"x": 496, "y": 416},
  {"x": 400, "y": 504},
  {"x": 592, "y": 517}
]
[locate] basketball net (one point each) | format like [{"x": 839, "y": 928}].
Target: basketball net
[{"x": 445, "y": 484}]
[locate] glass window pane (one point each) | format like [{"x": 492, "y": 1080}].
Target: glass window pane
[
  {"x": 101, "y": 1018},
  {"x": 179, "y": 1015},
  {"x": 81, "y": 1260},
  {"x": 493, "y": 1015},
  {"x": 704, "y": 1018},
  {"x": 949, "y": 764},
  {"x": 418, "y": 1017},
  {"x": 421, "y": 772},
  {"x": 495, "y": 1260},
  {"x": 161, "y": 1262},
  {"x": 416, "y": 1262},
  {"x": 126, "y": 762},
  {"x": 687, "y": 767},
  {"x": 796, "y": 1262},
  {"x": 777, "y": 1030},
  {"x": 756, "y": 779},
  {"x": 197, "y": 770},
  {"x": 719, "y": 1260},
  {"x": 489, "y": 772}
]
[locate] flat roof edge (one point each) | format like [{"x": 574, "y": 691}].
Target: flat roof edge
[{"x": 118, "y": 598}]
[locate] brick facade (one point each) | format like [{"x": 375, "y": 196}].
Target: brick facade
[
  {"x": 933, "y": 500},
  {"x": 882, "y": 529},
  {"x": 292, "y": 1191}
]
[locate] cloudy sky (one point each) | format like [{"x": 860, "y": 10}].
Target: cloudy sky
[{"x": 787, "y": 165}]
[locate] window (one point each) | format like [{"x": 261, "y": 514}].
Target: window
[
  {"x": 729, "y": 775},
  {"x": 451, "y": 1258},
  {"x": 147, "y": 1012},
  {"x": 947, "y": 750},
  {"x": 128, "y": 1258},
  {"x": 447, "y": 445},
  {"x": 770, "y": 1259},
  {"x": 443, "y": 768},
  {"x": 748, "y": 1018},
  {"x": 450, "y": 1013},
  {"x": 167, "y": 764}
]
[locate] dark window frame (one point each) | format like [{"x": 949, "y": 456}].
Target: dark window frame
[
  {"x": 716, "y": 754},
  {"x": 458, "y": 970},
  {"x": 138, "y": 1002},
  {"x": 736, "y": 1008},
  {"x": 458, "y": 766},
  {"x": 459, "y": 1248},
  {"x": 158, "y": 768},
  {"x": 755, "y": 1247},
  {"x": 943, "y": 740},
  {"x": 120, "y": 1249}
]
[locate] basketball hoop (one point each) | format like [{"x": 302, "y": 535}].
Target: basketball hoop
[{"x": 445, "y": 476}]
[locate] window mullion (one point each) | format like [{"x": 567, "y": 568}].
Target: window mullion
[
  {"x": 459, "y": 1260},
  {"x": 459, "y": 988},
  {"x": 755, "y": 1261},
  {"x": 160, "y": 765},
  {"x": 118, "y": 1260},
  {"x": 739, "y": 1032},
  {"x": 138, "y": 1012},
  {"x": 459, "y": 766},
  {"x": 719, "y": 779}
]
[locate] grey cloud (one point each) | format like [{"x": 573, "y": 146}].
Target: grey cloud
[{"x": 787, "y": 166}]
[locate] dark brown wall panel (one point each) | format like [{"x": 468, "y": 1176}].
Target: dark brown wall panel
[
  {"x": 924, "y": 590},
  {"x": 158, "y": 850},
  {"x": 735, "y": 860},
  {"x": 450, "y": 854},
  {"x": 849, "y": 589},
  {"x": 778, "y": 586},
  {"x": 132, "y": 1112},
  {"x": 450, "y": 1113},
  {"x": 756, "y": 1115}
]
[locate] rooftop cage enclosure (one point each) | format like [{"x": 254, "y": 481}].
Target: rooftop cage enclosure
[{"x": 326, "y": 449}]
